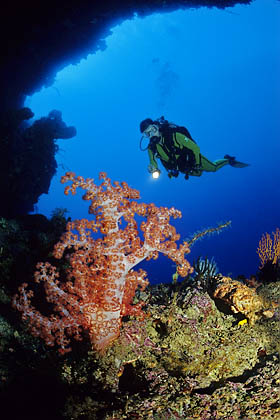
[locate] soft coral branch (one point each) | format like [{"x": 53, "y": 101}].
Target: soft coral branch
[{"x": 101, "y": 281}]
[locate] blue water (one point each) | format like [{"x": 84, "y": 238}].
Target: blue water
[{"x": 214, "y": 71}]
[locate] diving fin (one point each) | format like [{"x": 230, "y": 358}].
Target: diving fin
[
  {"x": 237, "y": 164},
  {"x": 233, "y": 162}
]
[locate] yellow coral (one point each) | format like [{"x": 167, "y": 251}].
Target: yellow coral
[
  {"x": 269, "y": 250},
  {"x": 242, "y": 322}
]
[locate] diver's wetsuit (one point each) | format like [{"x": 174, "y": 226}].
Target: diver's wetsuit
[{"x": 177, "y": 151}]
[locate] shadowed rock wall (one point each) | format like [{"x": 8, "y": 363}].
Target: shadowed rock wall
[{"x": 39, "y": 38}]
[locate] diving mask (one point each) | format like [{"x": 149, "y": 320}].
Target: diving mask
[{"x": 151, "y": 131}]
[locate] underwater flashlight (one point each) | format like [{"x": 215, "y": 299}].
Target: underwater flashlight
[{"x": 156, "y": 174}]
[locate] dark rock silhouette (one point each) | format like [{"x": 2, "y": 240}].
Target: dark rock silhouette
[{"x": 27, "y": 158}]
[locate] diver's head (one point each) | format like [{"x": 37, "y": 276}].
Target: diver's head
[
  {"x": 145, "y": 123},
  {"x": 149, "y": 128}
]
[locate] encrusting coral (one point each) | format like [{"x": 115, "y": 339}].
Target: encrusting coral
[
  {"x": 185, "y": 360},
  {"x": 244, "y": 299},
  {"x": 101, "y": 282}
]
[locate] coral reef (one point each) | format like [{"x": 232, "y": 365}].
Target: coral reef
[
  {"x": 101, "y": 282},
  {"x": 189, "y": 356},
  {"x": 185, "y": 360},
  {"x": 23, "y": 361}
]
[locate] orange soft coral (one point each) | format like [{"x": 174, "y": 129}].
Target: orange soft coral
[{"x": 101, "y": 282}]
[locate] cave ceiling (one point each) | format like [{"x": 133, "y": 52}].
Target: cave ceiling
[{"x": 39, "y": 38}]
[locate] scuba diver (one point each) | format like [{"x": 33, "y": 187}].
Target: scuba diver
[{"x": 177, "y": 150}]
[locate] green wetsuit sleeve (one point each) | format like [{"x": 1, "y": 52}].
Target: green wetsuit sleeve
[
  {"x": 184, "y": 141},
  {"x": 152, "y": 158}
]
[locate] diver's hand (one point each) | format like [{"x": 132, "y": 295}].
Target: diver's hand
[
  {"x": 151, "y": 169},
  {"x": 196, "y": 170}
]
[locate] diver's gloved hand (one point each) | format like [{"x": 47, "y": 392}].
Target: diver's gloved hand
[
  {"x": 197, "y": 170},
  {"x": 151, "y": 169},
  {"x": 197, "y": 167}
]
